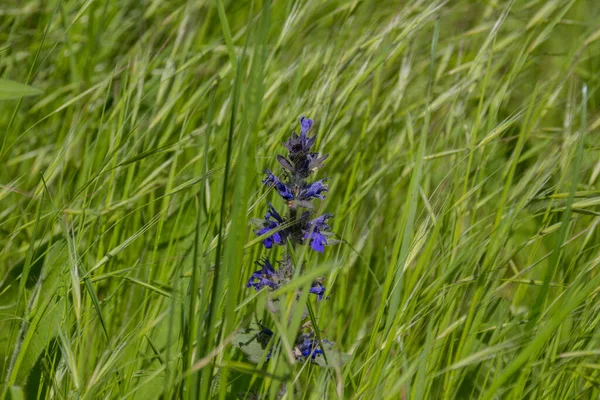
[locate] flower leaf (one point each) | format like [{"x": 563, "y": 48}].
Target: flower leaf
[
  {"x": 335, "y": 358},
  {"x": 253, "y": 342},
  {"x": 285, "y": 163}
]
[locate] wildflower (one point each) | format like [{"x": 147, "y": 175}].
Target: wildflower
[
  {"x": 314, "y": 190},
  {"x": 284, "y": 191},
  {"x": 271, "y": 222},
  {"x": 299, "y": 145},
  {"x": 305, "y": 165},
  {"x": 305, "y": 124},
  {"x": 266, "y": 276},
  {"x": 307, "y": 347},
  {"x": 316, "y": 233},
  {"x": 318, "y": 289},
  {"x": 296, "y": 229}
]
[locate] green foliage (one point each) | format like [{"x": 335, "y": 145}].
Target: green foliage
[
  {"x": 253, "y": 343},
  {"x": 14, "y": 90},
  {"x": 464, "y": 180},
  {"x": 23, "y": 340}
]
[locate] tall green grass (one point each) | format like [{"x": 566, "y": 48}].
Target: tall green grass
[{"x": 464, "y": 179}]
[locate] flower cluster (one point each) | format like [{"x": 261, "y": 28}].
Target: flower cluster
[
  {"x": 308, "y": 347},
  {"x": 299, "y": 226},
  {"x": 293, "y": 187},
  {"x": 272, "y": 221},
  {"x": 268, "y": 277}
]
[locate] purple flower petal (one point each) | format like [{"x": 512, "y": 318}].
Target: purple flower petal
[
  {"x": 273, "y": 213},
  {"x": 299, "y": 145},
  {"x": 310, "y": 348},
  {"x": 318, "y": 242},
  {"x": 281, "y": 188},
  {"x": 305, "y": 124},
  {"x": 263, "y": 277},
  {"x": 314, "y": 190},
  {"x": 272, "y": 222},
  {"x": 319, "y": 290}
]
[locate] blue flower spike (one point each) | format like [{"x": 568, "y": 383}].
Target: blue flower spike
[{"x": 297, "y": 228}]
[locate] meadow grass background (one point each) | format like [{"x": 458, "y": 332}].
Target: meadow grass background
[{"x": 464, "y": 179}]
